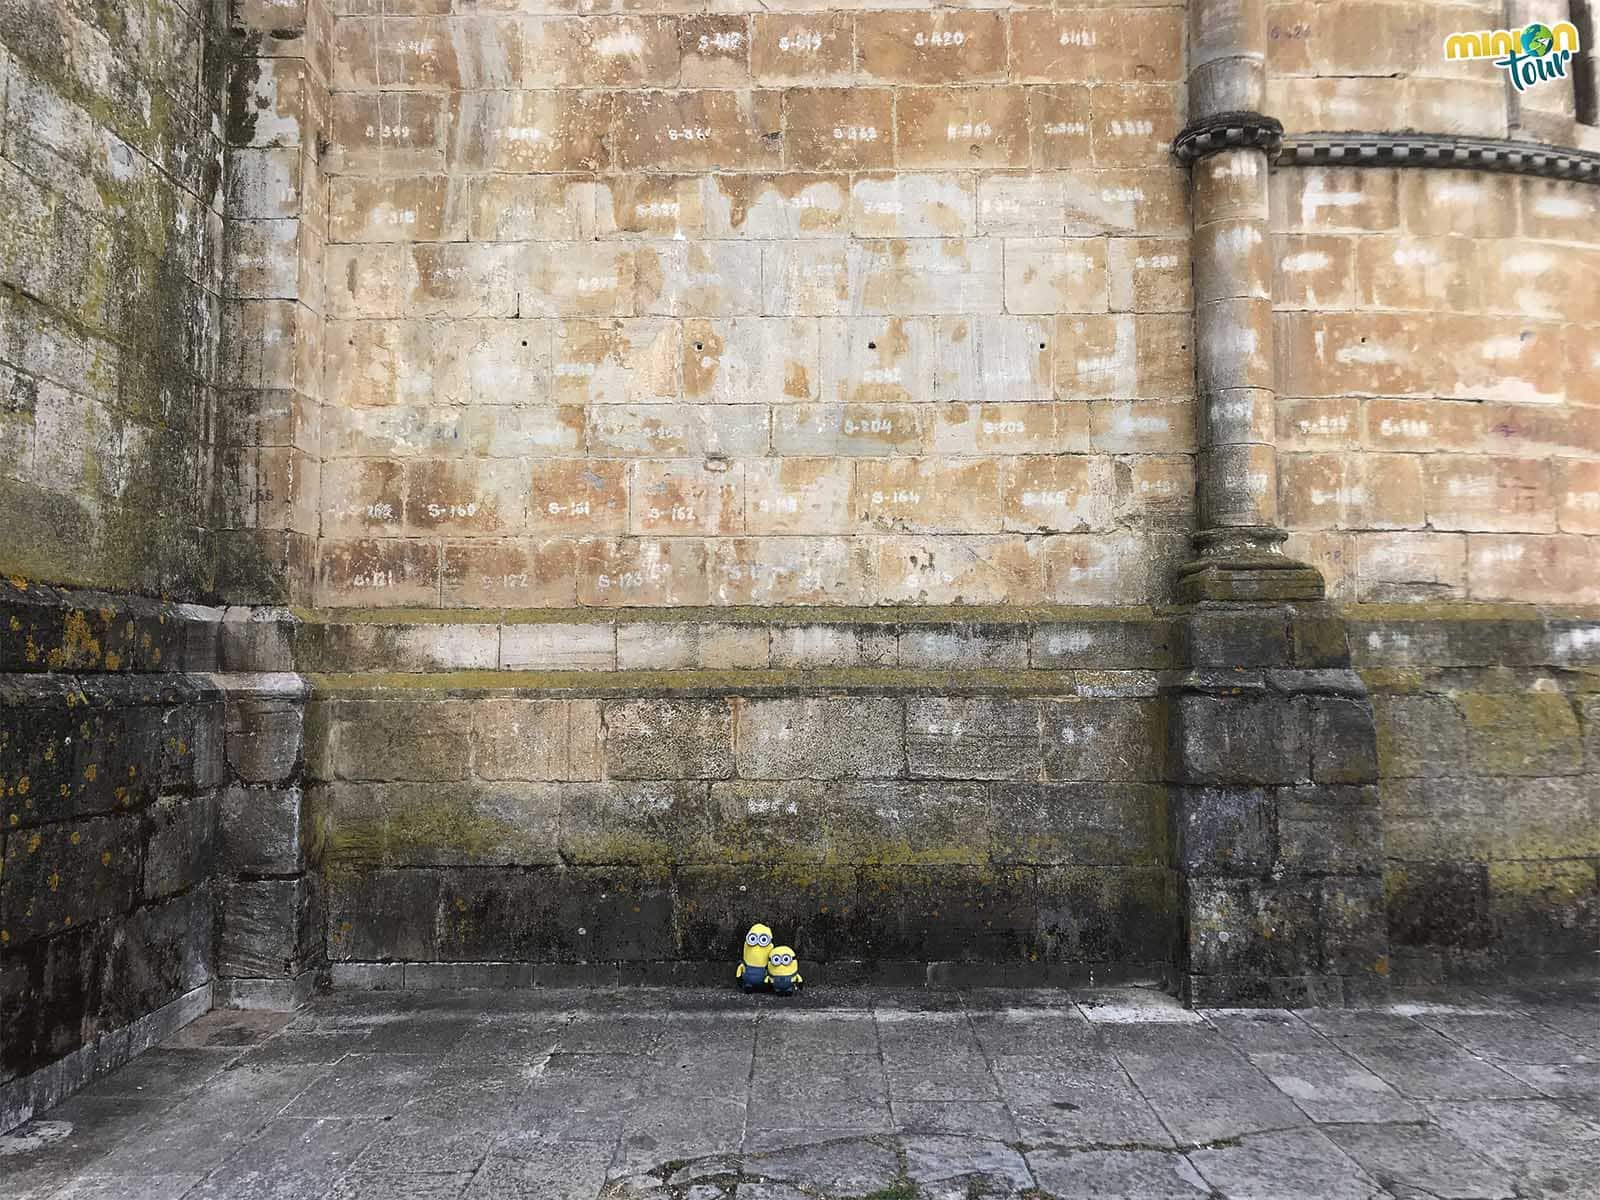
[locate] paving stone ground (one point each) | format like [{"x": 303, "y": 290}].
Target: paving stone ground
[{"x": 702, "y": 1095}]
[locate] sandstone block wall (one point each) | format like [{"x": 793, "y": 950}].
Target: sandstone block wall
[
  {"x": 1439, "y": 425},
  {"x": 1379, "y": 65},
  {"x": 755, "y": 308}
]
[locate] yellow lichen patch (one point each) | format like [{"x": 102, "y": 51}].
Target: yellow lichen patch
[
  {"x": 23, "y": 785},
  {"x": 107, "y": 615},
  {"x": 78, "y": 642},
  {"x": 33, "y": 844},
  {"x": 5, "y": 936},
  {"x": 15, "y": 820},
  {"x": 105, "y": 858},
  {"x": 54, "y": 880},
  {"x": 30, "y": 651},
  {"x": 16, "y": 625},
  {"x": 113, "y": 661},
  {"x": 90, "y": 772},
  {"x": 76, "y": 838},
  {"x": 50, "y": 752}
]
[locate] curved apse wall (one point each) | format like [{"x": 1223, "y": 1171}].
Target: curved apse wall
[{"x": 1438, "y": 423}]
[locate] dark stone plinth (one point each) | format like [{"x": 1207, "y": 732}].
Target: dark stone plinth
[{"x": 1275, "y": 814}]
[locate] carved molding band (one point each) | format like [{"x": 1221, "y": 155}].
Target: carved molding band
[
  {"x": 1438, "y": 150},
  {"x": 1227, "y": 131}
]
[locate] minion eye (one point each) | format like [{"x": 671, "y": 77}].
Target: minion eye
[
  {"x": 751, "y": 939},
  {"x": 763, "y": 940}
]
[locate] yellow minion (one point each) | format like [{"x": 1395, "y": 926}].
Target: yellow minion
[
  {"x": 783, "y": 971},
  {"x": 752, "y": 972}
]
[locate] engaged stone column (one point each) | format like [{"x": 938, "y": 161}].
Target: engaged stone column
[
  {"x": 1272, "y": 758},
  {"x": 1228, "y": 141}
]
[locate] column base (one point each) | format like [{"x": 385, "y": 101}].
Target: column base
[
  {"x": 1246, "y": 564},
  {"x": 1276, "y": 822}
]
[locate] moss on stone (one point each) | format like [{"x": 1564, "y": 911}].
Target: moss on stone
[
  {"x": 712, "y": 682},
  {"x": 786, "y": 615}
]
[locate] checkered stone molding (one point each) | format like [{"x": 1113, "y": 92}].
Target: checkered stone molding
[
  {"x": 1227, "y": 131},
  {"x": 1435, "y": 150}
]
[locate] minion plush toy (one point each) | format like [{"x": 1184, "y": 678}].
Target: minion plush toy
[
  {"x": 752, "y": 972},
  {"x": 783, "y": 971}
]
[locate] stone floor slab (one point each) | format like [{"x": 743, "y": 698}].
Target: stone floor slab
[
  {"x": 1550, "y": 1150},
  {"x": 1117, "y": 1175},
  {"x": 964, "y": 1118},
  {"x": 699, "y": 1095},
  {"x": 850, "y": 1167},
  {"x": 1284, "y": 1166},
  {"x": 1331, "y": 1087},
  {"x": 1424, "y": 1159},
  {"x": 971, "y": 1164}
]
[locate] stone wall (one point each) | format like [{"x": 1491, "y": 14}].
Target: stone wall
[
  {"x": 752, "y": 308},
  {"x": 1439, "y": 426},
  {"x": 276, "y": 120},
  {"x": 110, "y": 279},
  {"x": 900, "y": 798},
  {"x": 1487, "y": 725},
  {"x": 1379, "y": 65},
  {"x": 111, "y": 774}
]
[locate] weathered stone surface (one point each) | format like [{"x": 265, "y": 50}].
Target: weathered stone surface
[
  {"x": 973, "y": 739},
  {"x": 820, "y": 738},
  {"x": 1102, "y": 739},
  {"x": 669, "y": 739},
  {"x": 1226, "y": 831},
  {"x": 1344, "y": 746},
  {"x": 1419, "y": 735},
  {"x": 1106, "y": 914},
  {"x": 269, "y": 928},
  {"x": 397, "y": 740},
  {"x": 1241, "y": 740},
  {"x": 454, "y": 824},
  {"x": 1532, "y": 733},
  {"x": 262, "y": 830},
  {"x": 264, "y": 738},
  {"x": 536, "y": 739},
  {"x": 180, "y": 845},
  {"x": 69, "y": 874},
  {"x": 1092, "y": 824},
  {"x": 907, "y": 822},
  {"x": 646, "y": 823}
]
